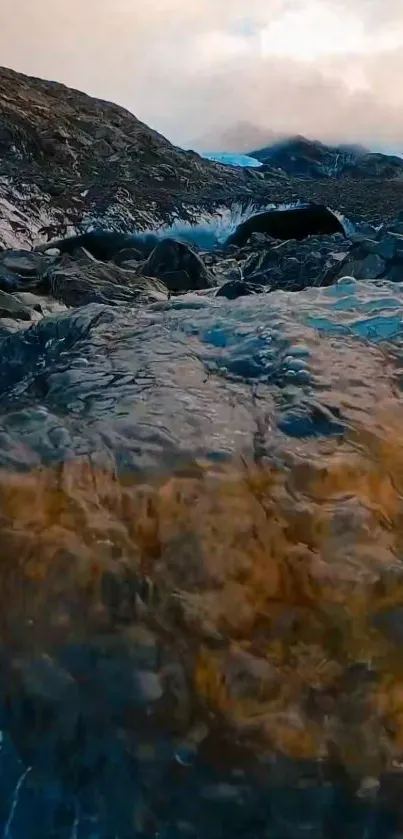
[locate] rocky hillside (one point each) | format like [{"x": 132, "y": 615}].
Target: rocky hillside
[
  {"x": 311, "y": 159},
  {"x": 67, "y": 158}
]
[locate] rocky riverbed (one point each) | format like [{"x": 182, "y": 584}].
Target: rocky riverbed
[{"x": 201, "y": 484}]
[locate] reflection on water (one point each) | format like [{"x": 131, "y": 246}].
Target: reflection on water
[{"x": 201, "y": 587}]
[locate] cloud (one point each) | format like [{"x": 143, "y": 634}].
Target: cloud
[{"x": 196, "y": 70}]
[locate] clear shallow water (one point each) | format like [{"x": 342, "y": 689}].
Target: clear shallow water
[
  {"x": 189, "y": 378},
  {"x": 277, "y": 378}
]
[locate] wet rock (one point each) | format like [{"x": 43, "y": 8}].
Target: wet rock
[
  {"x": 148, "y": 687},
  {"x": 178, "y": 266},
  {"x": 261, "y": 240},
  {"x": 31, "y": 301},
  {"x": 11, "y": 307},
  {"x": 44, "y": 698},
  {"x": 10, "y": 282},
  {"x": 247, "y": 676},
  {"x": 259, "y": 265},
  {"x": 398, "y": 239},
  {"x": 238, "y": 288},
  {"x": 362, "y": 248},
  {"x": 223, "y": 793},
  {"x": 42, "y": 678},
  {"x": 297, "y": 223},
  {"x": 395, "y": 274},
  {"x": 397, "y": 228},
  {"x": 372, "y": 267},
  {"x": 101, "y": 244},
  {"x": 78, "y": 282},
  {"x": 127, "y": 255},
  {"x": 386, "y": 248},
  {"x": 293, "y": 265},
  {"x": 390, "y": 622},
  {"x": 363, "y": 230},
  {"x": 24, "y": 263},
  {"x": 120, "y": 670}
]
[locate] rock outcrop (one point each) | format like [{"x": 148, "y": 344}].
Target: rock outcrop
[
  {"x": 69, "y": 159},
  {"x": 70, "y": 162},
  {"x": 311, "y": 159}
]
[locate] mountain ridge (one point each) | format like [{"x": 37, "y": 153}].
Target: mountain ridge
[
  {"x": 69, "y": 163},
  {"x": 68, "y": 158},
  {"x": 302, "y": 157}
]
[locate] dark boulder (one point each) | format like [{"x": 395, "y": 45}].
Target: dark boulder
[
  {"x": 293, "y": 265},
  {"x": 297, "y": 223},
  {"x": 101, "y": 244},
  {"x": 104, "y": 245},
  {"x": 178, "y": 266},
  {"x": 77, "y": 282},
  {"x": 20, "y": 270},
  {"x": 128, "y": 255},
  {"x": 238, "y": 288},
  {"x": 24, "y": 263},
  {"x": 10, "y": 307}
]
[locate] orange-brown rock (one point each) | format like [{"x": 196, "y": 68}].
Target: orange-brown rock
[{"x": 280, "y": 591}]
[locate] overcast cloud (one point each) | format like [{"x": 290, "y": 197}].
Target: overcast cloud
[{"x": 219, "y": 74}]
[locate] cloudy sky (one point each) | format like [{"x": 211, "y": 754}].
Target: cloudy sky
[{"x": 222, "y": 74}]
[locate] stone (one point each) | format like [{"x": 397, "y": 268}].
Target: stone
[
  {"x": 372, "y": 267},
  {"x": 79, "y": 282},
  {"x": 127, "y": 255},
  {"x": 238, "y": 288},
  {"x": 148, "y": 687},
  {"x": 397, "y": 228},
  {"x": 386, "y": 248},
  {"x": 363, "y": 230},
  {"x": 50, "y": 691},
  {"x": 41, "y": 677},
  {"x": 398, "y": 238},
  {"x": 24, "y": 263},
  {"x": 178, "y": 266},
  {"x": 11, "y": 307},
  {"x": 31, "y": 301},
  {"x": 395, "y": 274},
  {"x": 362, "y": 247},
  {"x": 390, "y": 622},
  {"x": 8, "y": 281}
]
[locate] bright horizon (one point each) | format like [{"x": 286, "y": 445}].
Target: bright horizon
[{"x": 222, "y": 74}]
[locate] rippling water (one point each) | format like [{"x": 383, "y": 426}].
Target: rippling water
[
  {"x": 204, "y": 497},
  {"x": 198, "y": 376}
]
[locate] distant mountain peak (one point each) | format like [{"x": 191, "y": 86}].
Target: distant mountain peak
[{"x": 305, "y": 158}]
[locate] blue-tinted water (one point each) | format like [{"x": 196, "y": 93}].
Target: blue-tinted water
[
  {"x": 147, "y": 390},
  {"x": 176, "y": 379}
]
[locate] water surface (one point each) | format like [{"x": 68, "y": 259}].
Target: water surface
[{"x": 202, "y": 590}]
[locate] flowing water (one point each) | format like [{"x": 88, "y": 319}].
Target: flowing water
[{"x": 202, "y": 583}]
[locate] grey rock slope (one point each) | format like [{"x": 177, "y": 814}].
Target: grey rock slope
[{"x": 67, "y": 159}]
